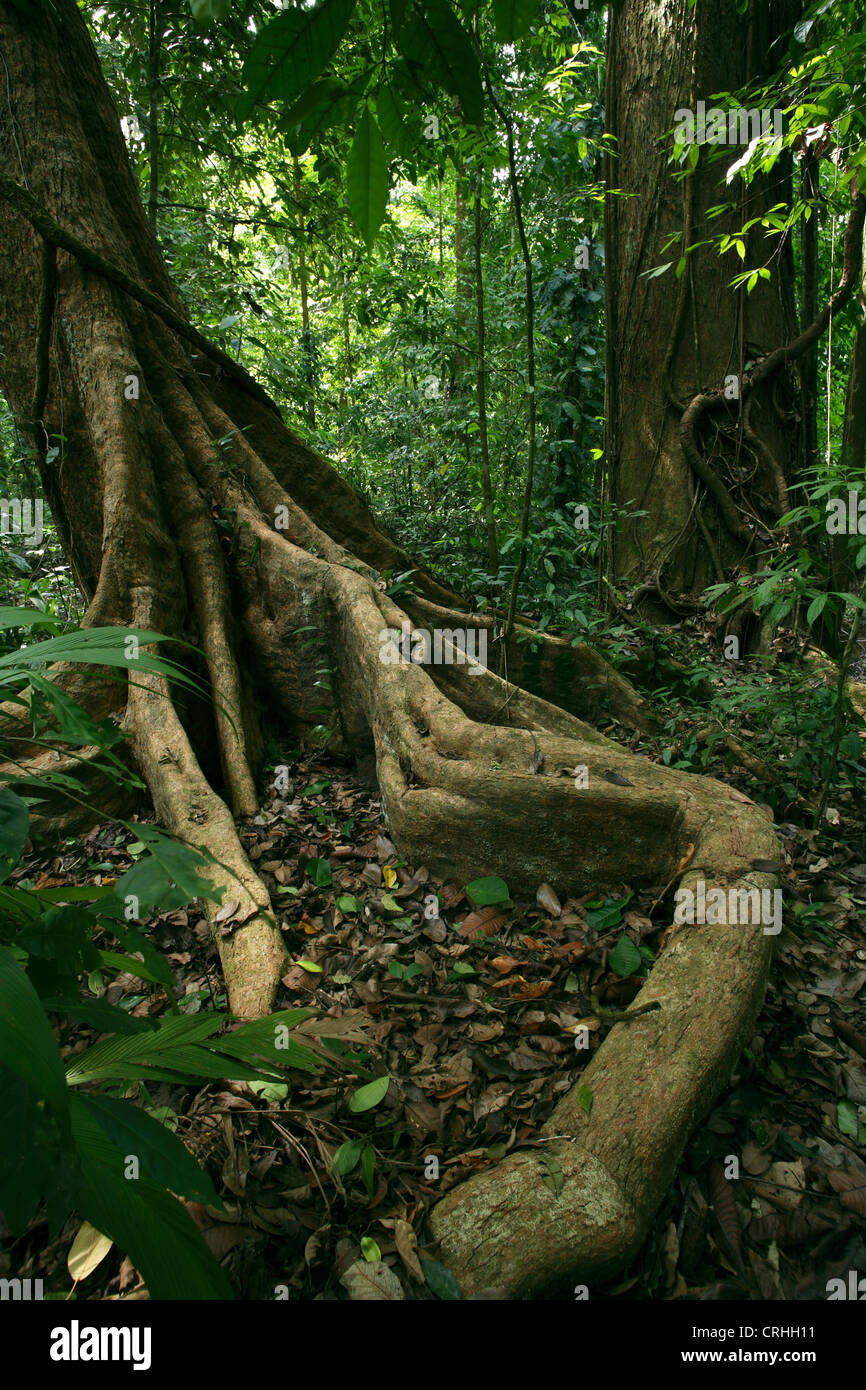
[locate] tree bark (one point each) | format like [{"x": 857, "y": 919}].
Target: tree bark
[{"x": 711, "y": 500}]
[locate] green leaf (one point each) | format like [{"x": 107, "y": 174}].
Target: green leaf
[
  {"x": 367, "y": 179},
  {"x": 367, "y": 1096},
  {"x": 14, "y": 824},
  {"x": 345, "y": 1160},
  {"x": 437, "y": 40},
  {"x": 584, "y": 1099},
  {"x": 554, "y": 1177},
  {"x": 607, "y": 916},
  {"x": 319, "y": 872},
  {"x": 205, "y": 11},
  {"x": 27, "y": 1045},
  {"x": 392, "y": 124},
  {"x": 162, "y": 1156},
  {"x": 143, "y": 1220},
  {"x": 291, "y": 52},
  {"x": 440, "y": 1280},
  {"x": 847, "y": 1119},
  {"x": 327, "y": 91},
  {"x": 269, "y": 1090},
  {"x": 347, "y": 902},
  {"x": 370, "y": 1250},
  {"x": 485, "y": 891},
  {"x": 368, "y": 1165},
  {"x": 104, "y": 1017},
  {"x": 816, "y": 608},
  {"x": 625, "y": 958},
  {"x": 513, "y": 18}
]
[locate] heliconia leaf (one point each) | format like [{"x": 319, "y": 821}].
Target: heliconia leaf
[
  {"x": 162, "y": 1155},
  {"x": 27, "y": 1044},
  {"x": 367, "y": 179}
]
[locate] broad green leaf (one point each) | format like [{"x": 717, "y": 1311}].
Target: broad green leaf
[
  {"x": 347, "y": 1155},
  {"x": 147, "y": 1223},
  {"x": 368, "y": 1096},
  {"x": 27, "y": 1044},
  {"x": 14, "y": 824},
  {"x": 436, "y": 39},
  {"x": 104, "y": 1017},
  {"x": 440, "y": 1280},
  {"x": 625, "y": 958},
  {"x": 291, "y": 52},
  {"x": 370, "y": 1250},
  {"x": 162, "y": 1156},
  {"x": 847, "y": 1119},
  {"x": 485, "y": 891},
  {"x": 584, "y": 1099},
  {"x": 392, "y": 123},
  {"x": 319, "y": 872},
  {"x": 367, "y": 179},
  {"x": 513, "y": 18},
  {"x": 206, "y": 11}
]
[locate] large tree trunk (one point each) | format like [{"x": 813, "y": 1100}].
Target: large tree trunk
[
  {"x": 714, "y": 483},
  {"x": 95, "y": 348}
]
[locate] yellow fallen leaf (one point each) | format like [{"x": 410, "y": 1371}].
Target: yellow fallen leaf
[
  {"x": 88, "y": 1250},
  {"x": 389, "y": 875}
]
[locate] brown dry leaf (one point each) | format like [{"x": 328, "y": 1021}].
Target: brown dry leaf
[
  {"x": 727, "y": 1216},
  {"x": 672, "y": 1253},
  {"x": 548, "y": 901},
  {"x": 755, "y": 1159},
  {"x": 221, "y": 1239},
  {"x": 569, "y": 950},
  {"x": 352, "y": 1026},
  {"x": 789, "y": 1228},
  {"x": 407, "y": 1249},
  {"x": 686, "y": 859},
  {"x": 485, "y": 1032},
  {"x": 485, "y": 920},
  {"x": 450, "y": 894},
  {"x": 784, "y": 1185},
  {"x": 298, "y": 978},
  {"x": 851, "y": 1188},
  {"x": 127, "y": 1273},
  {"x": 372, "y": 1281},
  {"x": 502, "y": 964},
  {"x": 227, "y": 910},
  {"x": 526, "y": 989}
]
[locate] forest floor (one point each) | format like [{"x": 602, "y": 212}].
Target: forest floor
[{"x": 474, "y": 1015}]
